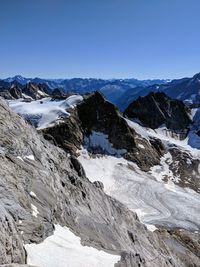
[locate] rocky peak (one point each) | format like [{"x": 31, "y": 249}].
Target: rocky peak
[
  {"x": 6, "y": 95},
  {"x": 96, "y": 119},
  {"x": 15, "y": 91},
  {"x": 97, "y": 114},
  {"x": 157, "y": 109},
  {"x": 34, "y": 91},
  {"x": 196, "y": 76},
  {"x": 59, "y": 94}
]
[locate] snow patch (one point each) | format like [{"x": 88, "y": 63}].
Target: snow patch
[
  {"x": 151, "y": 227},
  {"x": 193, "y": 113},
  {"x": 44, "y": 112},
  {"x": 64, "y": 248},
  {"x": 26, "y": 96},
  {"x": 20, "y": 158},
  {"x": 31, "y": 157},
  {"x": 141, "y": 146},
  {"x": 190, "y": 144},
  {"x": 161, "y": 171},
  {"x": 34, "y": 210},
  {"x": 33, "y": 194},
  {"x": 103, "y": 167},
  {"x": 98, "y": 140}
]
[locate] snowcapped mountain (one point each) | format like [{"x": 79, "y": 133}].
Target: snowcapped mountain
[
  {"x": 111, "y": 89},
  {"x": 86, "y": 183},
  {"x": 52, "y": 83},
  {"x": 121, "y": 92},
  {"x": 17, "y": 78}
]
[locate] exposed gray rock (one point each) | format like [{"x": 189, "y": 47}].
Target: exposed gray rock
[
  {"x": 6, "y": 94},
  {"x": 60, "y": 94},
  {"x": 31, "y": 164},
  {"x": 185, "y": 169},
  {"x": 15, "y": 91},
  {"x": 35, "y": 91},
  {"x": 99, "y": 185},
  {"x": 97, "y": 114},
  {"x": 67, "y": 134},
  {"x": 157, "y": 109}
]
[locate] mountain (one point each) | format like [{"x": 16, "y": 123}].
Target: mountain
[
  {"x": 29, "y": 91},
  {"x": 4, "y": 84},
  {"x": 91, "y": 121},
  {"x": 52, "y": 83},
  {"x": 79, "y": 178},
  {"x": 132, "y": 94},
  {"x": 44, "y": 188},
  {"x": 157, "y": 109},
  {"x": 92, "y": 159},
  {"x": 111, "y": 89},
  {"x": 186, "y": 89},
  {"x": 121, "y": 92},
  {"x": 17, "y": 78}
]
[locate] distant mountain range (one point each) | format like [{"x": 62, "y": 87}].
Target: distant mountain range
[
  {"x": 76, "y": 83},
  {"x": 119, "y": 91},
  {"x": 111, "y": 89},
  {"x": 186, "y": 89}
]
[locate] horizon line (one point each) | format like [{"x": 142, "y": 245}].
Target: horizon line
[{"x": 97, "y": 78}]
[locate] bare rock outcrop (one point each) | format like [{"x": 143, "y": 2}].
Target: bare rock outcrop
[
  {"x": 157, "y": 109},
  {"x": 95, "y": 114},
  {"x": 42, "y": 186}
]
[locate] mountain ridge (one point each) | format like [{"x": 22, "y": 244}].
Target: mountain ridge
[
  {"x": 73, "y": 165},
  {"x": 119, "y": 91}
]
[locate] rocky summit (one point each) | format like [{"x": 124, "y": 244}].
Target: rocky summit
[
  {"x": 157, "y": 109},
  {"x": 29, "y": 91},
  {"x": 96, "y": 115}
]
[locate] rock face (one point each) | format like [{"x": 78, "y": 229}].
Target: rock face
[
  {"x": 32, "y": 91},
  {"x": 185, "y": 168},
  {"x": 96, "y": 115},
  {"x": 41, "y": 185},
  {"x": 67, "y": 135},
  {"x": 6, "y": 95},
  {"x": 15, "y": 91},
  {"x": 59, "y": 94},
  {"x": 186, "y": 89},
  {"x": 157, "y": 109}
]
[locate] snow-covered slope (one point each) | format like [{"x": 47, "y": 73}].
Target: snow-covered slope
[
  {"x": 155, "y": 201},
  {"x": 44, "y": 113},
  {"x": 168, "y": 137},
  {"x": 64, "y": 249},
  {"x": 157, "y": 196}
]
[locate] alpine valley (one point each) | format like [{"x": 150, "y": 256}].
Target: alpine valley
[{"x": 99, "y": 173}]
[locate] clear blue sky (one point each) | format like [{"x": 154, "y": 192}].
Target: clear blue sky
[{"x": 100, "y": 38}]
